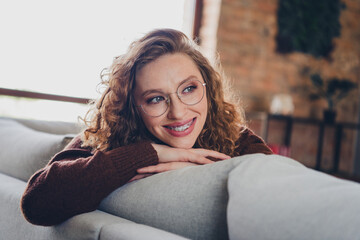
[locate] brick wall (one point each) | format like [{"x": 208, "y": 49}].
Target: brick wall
[
  {"x": 246, "y": 31},
  {"x": 244, "y": 37}
]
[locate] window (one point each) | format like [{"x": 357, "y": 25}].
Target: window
[{"x": 60, "y": 47}]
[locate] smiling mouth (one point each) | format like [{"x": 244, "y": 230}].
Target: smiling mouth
[{"x": 182, "y": 127}]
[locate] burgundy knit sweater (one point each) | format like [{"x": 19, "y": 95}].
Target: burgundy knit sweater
[{"x": 76, "y": 180}]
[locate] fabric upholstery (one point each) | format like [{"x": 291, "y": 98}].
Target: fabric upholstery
[
  {"x": 274, "y": 197},
  {"x": 190, "y": 202},
  {"x": 264, "y": 197},
  {"x": 103, "y": 226},
  {"x": 12, "y": 224},
  {"x": 133, "y": 231},
  {"x": 81, "y": 227},
  {"x": 25, "y": 150},
  {"x": 53, "y": 127},
  {"x": 249, "y": 197}
]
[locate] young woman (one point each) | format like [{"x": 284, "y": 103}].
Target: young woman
[{"x": 163, "y": 109}]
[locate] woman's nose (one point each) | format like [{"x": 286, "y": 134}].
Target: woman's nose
[{"x": 177, "y": 109}]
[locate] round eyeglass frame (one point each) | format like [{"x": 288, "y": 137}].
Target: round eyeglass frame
[{"x": 167, "y": 100}]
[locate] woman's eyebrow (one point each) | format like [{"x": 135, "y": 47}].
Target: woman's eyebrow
[
  {"x": 147, "y": 92},
  {"x": 191, "y": 77},
  {"x": 158, "y": 90}
]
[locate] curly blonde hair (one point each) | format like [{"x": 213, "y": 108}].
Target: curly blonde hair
[{"x": 114, "y": 121}]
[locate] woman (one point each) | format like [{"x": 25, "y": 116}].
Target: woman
[{"x": 163, "y": 109}]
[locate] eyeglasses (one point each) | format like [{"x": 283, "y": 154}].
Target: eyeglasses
[{"x": 189, "y": 92}]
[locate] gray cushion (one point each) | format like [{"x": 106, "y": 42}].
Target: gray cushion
[
  {"x": 12, "y": 224},
  {"x": 24, "y": 150},
  {"x": 100, "y": 225},
  {"x": 133, "y": 231},
  {"x": 273, "y": 197},
  {"x": 54, "y": 127},
  {"x": 92, "y": 225},
  {"x": 190, "y": 202},
  {"x": 249, "y": 197}
]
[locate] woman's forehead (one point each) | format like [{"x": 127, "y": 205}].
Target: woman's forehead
[{"x": 168, "y": 71}]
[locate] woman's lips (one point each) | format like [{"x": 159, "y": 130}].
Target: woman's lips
[{"x": 180, "y": 129}]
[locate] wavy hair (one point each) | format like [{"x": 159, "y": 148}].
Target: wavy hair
[{"x": 113, "y": 121}]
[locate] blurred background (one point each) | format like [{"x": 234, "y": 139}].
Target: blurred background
[
  {"x": 60, "y": 47},
  {"x": 295, "y": 64}
]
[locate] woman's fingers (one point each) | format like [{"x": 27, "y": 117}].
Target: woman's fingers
[
  {"x": 210, "y": 153},
  {"x": 164, "y": 167},
  {"x": 195, "y": 158},
  {"x": 175, "y": 158},
  {"x": 199, "y": 156},
  {"x": 140, "y": 176}
]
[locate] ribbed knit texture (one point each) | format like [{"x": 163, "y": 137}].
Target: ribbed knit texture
[
  {"x": 76, "y": 180},
  {"x": 250, "y": 143}
]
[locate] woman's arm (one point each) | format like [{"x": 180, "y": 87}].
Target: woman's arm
[
  {"x": 248, "y": 143},
  {"x": 75, "y": 180},
  {"x": 175, "y": 158}
]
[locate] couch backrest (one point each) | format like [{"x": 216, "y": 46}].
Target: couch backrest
[
  {"x": 28, "y": 145},
  {"x": 54, "y": 127}
]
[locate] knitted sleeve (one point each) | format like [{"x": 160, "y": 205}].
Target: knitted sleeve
[
  {"x": 250, "y": 143},
  {"x": 76, "y": 180}
]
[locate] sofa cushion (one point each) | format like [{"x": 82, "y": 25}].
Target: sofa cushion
[
  {"x": 190, "y": 202},
  {"x": 273, "y": 198},
  {"x": 249, "y": 197},
  {"x": 93, "y": 225},
  {"x": 133, "y": 231},
  {"x": 24, "y": 150},
  {"x": 12, "y": 224},
  {"x": 53, "y": 127}
]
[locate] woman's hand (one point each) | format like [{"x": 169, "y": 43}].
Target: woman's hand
[
  {"x": 194, "y": 155},
  {"x": 164, "y": 167},
  {"x": 176, "y": 158},
  {"x": 140, "y": 176}
]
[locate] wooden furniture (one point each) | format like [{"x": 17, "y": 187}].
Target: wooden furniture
[{"x": 339, "y": 127}]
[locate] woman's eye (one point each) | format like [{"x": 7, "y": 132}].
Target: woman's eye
[
  {"x": 155, "y": 100},
  {"x": 189, "y": 89}
]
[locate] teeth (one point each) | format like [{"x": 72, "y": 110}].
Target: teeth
[{"x": 181, "y": 128}]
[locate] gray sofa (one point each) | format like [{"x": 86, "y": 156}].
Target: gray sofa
[{"x": 249, "y": 197}]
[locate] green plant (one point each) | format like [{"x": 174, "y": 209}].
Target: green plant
[
  {"x": 308, "y": 26},
  {"x": 332, "y": 90}
]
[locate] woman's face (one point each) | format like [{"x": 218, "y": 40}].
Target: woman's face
[{"x": 180, "y": 125}]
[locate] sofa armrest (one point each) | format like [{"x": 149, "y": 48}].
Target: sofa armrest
[
  {"x": 190, "y": 202},
  {"x": 272, "y": 198},
  {"x": 248, "y": 197}
]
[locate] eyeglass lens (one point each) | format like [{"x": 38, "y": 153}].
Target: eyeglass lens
[{"x": 189, "y": 92}]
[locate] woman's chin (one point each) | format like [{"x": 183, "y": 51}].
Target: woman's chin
[{"x": 181, "y": 144}]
